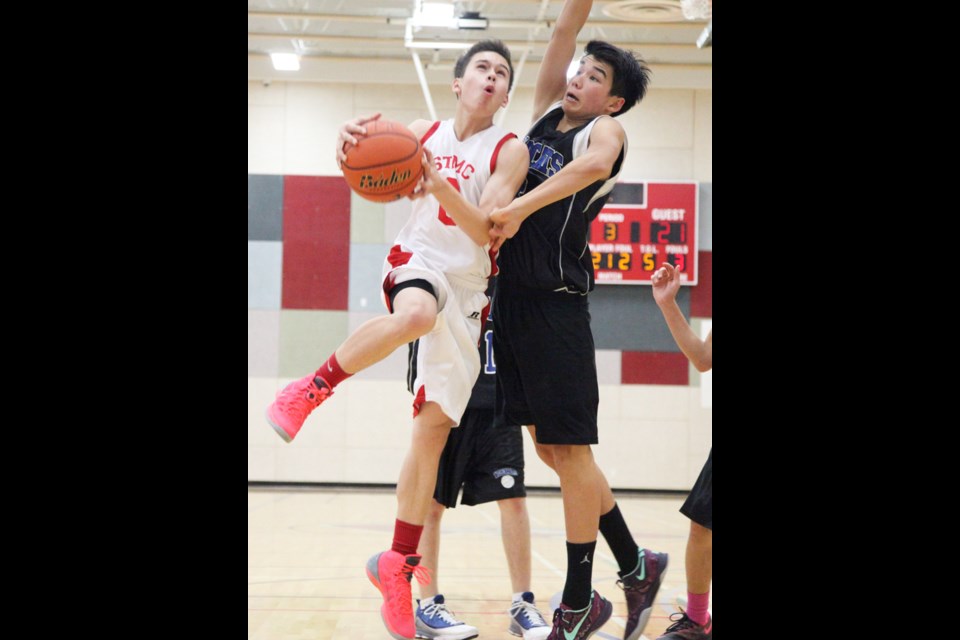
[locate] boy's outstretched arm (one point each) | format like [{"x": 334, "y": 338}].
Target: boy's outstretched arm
[{"x": 552, "y": 77}]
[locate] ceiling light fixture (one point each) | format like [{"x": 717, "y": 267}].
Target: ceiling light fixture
[
  {"x": 434, "y": 14},
  {"x": 437, "y": 14},
  {"x": 472, "y": 20},
  {"x": 285, "y": 61}
]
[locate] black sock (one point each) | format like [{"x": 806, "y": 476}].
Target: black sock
[
  {"x": 577, "y": 590},
  {"x": 617, "y": 534}
]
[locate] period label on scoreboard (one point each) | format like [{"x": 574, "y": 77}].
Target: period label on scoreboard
[{"x": 642, "y": 226}]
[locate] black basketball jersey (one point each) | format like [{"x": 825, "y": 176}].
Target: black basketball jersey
[{"x": 550, "y": 251}]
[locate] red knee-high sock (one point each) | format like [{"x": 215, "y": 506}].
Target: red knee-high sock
[
  {"x": 406, "y": 537},
  {"x": 331, "y": 372}
]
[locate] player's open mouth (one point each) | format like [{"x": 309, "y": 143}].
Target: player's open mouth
[
  {"x": 571, "y": 97},
  {"x": 489, "y": 90}
]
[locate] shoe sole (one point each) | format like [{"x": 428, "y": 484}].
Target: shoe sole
[
  {"x": 422, "y": 636},
  {"x": 280, "y": 432},
  {"x": 374, "y": 578},
  {"x": 645, "y": 614},
  {"x": 451, "y": 635},
  {"x": 519, "y": 634}
]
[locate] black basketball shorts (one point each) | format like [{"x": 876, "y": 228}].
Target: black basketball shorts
[
  {"x": 483, "y": 459},
  {"x": 699, "y": 504}
]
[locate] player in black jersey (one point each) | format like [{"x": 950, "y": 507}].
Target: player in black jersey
[
  {"x": 544, "y": 347},
  {"x": 485, "y": 460}
]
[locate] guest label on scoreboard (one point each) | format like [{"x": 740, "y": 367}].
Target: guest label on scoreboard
[{"x": 642, "y": 226}]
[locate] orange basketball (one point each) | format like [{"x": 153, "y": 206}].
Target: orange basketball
[{"x": 384, "y": 165}]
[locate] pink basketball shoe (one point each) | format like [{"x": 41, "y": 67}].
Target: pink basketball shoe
[
  {"x": 295, "y": 402},
  {"x": 390, "y": 572}
]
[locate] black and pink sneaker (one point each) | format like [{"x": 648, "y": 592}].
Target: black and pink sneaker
[
  {"x": 581, "y": 624},
  {"x": 640, "y": 588},
  {"x": 683, "y": 628}
]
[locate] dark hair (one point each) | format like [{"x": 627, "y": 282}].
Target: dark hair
[
  {"x": 631, "y": 75},
  {"x": 496, "y": 46}
]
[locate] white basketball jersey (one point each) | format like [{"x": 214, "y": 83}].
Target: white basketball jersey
[{"x": 430, "y": 233}]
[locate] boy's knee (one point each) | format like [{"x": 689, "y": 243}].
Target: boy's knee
[{"x": 700, "y": 532}]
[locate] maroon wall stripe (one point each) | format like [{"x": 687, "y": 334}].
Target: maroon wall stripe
[
  {"x": 651, "y": 367},
  {"x": 316, "y": 243}
]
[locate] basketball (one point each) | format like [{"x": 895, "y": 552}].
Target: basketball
[{"x": 385, "y": 164}]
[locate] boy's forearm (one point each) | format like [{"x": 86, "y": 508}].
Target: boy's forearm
[
  {"x": 575, "y": 176},
  {"x": 572, "y": 17},
  {"x": 689, "y": 342},
  {"x": 471, "y": 219}
]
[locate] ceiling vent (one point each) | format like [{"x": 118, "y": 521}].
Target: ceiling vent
[{"x": 645, "y": 10}]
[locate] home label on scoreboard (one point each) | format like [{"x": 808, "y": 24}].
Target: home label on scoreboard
[{"x": 643, "y": 225}]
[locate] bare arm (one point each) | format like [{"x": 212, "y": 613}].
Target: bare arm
[
  {"x": 474, "y": 220},
  {"x": 606, "y": 141},
  {"x": 552, "y": 77},
  {"x": 666, "y": 283}
]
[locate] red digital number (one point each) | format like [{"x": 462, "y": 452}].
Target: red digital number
[{"x": 678, "y": 260}]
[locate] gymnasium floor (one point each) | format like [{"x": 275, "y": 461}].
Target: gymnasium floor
[{"x": 307, "y": 548}]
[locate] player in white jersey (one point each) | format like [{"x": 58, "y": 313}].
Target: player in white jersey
[
  {"x": 431, "y": 248},
  {"x": 434, "y": 283},
  {"x": 467, "y": 165}
]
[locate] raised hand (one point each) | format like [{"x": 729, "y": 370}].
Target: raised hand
[
  {"x": 666, "y": 283},
  {"x": 348, "y": 132}
]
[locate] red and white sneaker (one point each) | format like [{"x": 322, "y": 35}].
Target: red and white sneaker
[{"x": 295, "y": 402}]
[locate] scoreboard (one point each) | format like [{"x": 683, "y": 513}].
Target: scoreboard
[{"x": 643, "y": 225}]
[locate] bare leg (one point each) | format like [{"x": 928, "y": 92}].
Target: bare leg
[
  {"x": 545, "y": 452},
  {"x": 581, "y": 486},
  {"x": 430, "y": 548},
  {"x": 418, "y": 476},
  {"x": 607, "y": 501},
  {"x": 515, "y": 532},
  {"x": 699, "y": 558},
  {"x": 414, "y": 314}
]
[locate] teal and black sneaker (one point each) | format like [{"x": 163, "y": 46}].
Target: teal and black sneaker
[
  {"x": 569, "y": 624},
  {"x": 640, "y": 588}
]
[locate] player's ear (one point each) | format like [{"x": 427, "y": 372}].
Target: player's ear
[
  {"x": 456, "y": 87},
  {"x": 614, "y": 104}
]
